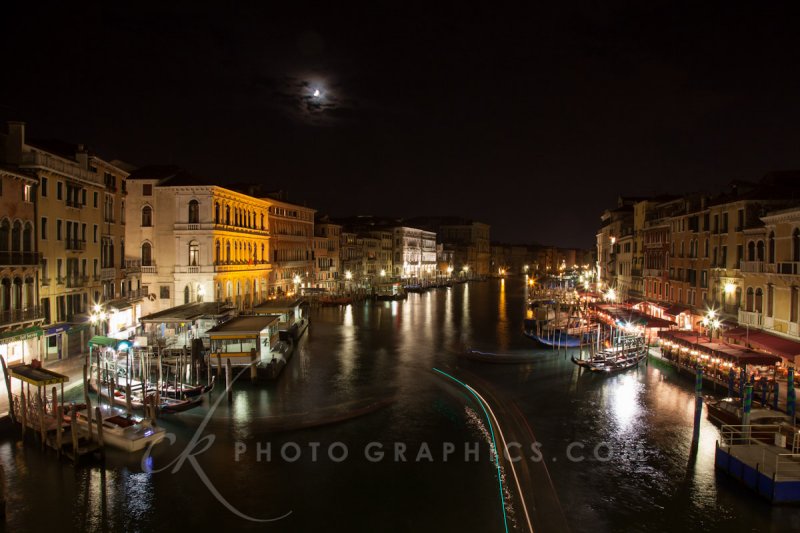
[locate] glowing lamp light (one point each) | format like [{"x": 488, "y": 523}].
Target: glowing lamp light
[
  {"x": 201, "y": 291},
  {"x": 383, "y": 273},
  {"x": 730, "y": 288},
  {"x": 96, "y": 308},
  {"x": 296, "y": 279},
  {"x": 611, "y": 295},
  {"x": 348, "y": 275}
]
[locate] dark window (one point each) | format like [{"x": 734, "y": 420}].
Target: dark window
[
  {"x": 147, "y": 190},
  {"x": 43, "y": 187}
]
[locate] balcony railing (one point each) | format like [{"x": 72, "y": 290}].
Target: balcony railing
[
  {"x": 653, "y": 272},
  {"x": 136, "y": 294},
  {"x": 790, "y": 268},
  {"x": 149, "y": 269},
  {"x": 75, "y": 245},
  {"x": 20, "y": 258},
  {"x": 752, "y": 266},
  {"x": 76, "y": 281},
  {"x": 13, "y": 316},
  {"x": 750, "y": 318},
  {"x": 133, "y": 265},
  {"x": 74, "y": 203},
  {"x": 108, "y": 273},
  {"x": 207, "y": 226}
]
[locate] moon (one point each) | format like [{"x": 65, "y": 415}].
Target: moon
[{"x": 316, "y": 93}]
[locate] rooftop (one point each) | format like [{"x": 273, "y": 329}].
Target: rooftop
[
  {"x": 244, "y": 324},
  {"x": 188, "y": 312}
]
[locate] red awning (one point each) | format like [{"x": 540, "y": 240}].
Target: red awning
[
  {"x": 675, "y": 310},
  {"x": 772, "y": 343}
]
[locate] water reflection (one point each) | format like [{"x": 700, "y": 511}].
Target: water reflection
[
  {"x": 624, "y": 397},
  {"x": 502, "y": 318}
]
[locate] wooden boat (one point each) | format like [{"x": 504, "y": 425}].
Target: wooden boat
[
  {"x": 166, "y": 404},
  {"x": 126, "y": 432},
  {"x": 627, "y": 353},
  {"x": 186, "y": 391}
]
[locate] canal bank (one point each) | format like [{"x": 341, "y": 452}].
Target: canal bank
[{"x": 653, "y": 481}]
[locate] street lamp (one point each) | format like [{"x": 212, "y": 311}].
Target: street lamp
[
  {"x": 98, "y": 316},
  {"x": 611, "y": 295},
  {"x": 450, "y": 271},
  {"x": 711, "y": 322}
]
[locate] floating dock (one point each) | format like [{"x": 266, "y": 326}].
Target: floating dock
[{"x": 746, "y": 453}]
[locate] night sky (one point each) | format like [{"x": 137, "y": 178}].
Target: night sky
[{"x": 533, "y": 121}]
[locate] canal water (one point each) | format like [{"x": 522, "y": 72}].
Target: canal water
[{"x": 619, "y": 449}]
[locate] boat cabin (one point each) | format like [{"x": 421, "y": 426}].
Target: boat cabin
[
  {"x": 244, "y": 340},
  {"x": 175, "y": 327},
  {"x": 292, "y": 315}
]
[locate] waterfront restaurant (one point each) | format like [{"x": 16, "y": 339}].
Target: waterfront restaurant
[
  {"x": 687, "y": 349},
  {"x": 244, "y": 340}
]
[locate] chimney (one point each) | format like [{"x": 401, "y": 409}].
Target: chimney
[
  {"x": 82, "y": 156},
  {"x": 14, "y": 142}
]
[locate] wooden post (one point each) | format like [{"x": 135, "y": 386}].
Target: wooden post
[
  {"x": 219, "y": 365},
  {"x": 128, "y": 401},
  {"x": 59, "y": 428},
  {"x": 74, "y": 432},
  {"x": 228, "y": 379},
  {"x": 85, "y": 384},
  {"x": 7, "y": 378},
  {"x": 40, "y": 405},
  {"x": 99, "y": 380},
  {"x": 99, "y": 420},
  {"x": 23, "y": 405},
  {"x": 253, "y": 369},
  {"x": 55, "y": 400}
]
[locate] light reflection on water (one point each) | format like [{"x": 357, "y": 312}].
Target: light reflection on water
[{"x": 386, "y": 349}]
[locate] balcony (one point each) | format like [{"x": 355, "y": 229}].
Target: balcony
[
  {"x": 20, "y": 258},
  {"x": 15, "y": 316},
  {"x": 76, "y": 282},
  {"x": 149, "y": 269},
  {"x": 788, "y": 268},
  {"x": 75, "y": 245},
  {"x": 210, "y": 227},
  {"x": 56, "y": 164},
  {"x": 750, "y": 318},
  {"x": 232, "y": 266},
  {"x": 108, "y": 273},
  {"x": 74, "y": 204},
  {"x": 132, "y": 266},
  {"x": 653, "y": 273},
  {"x": 136, "y": 294},
  {"x": 757, "y": 267}
]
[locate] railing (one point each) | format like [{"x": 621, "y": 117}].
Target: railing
[
  {"x": 136, "y": 294},
  {"x": 109, "y": 220},
  {"x": 108, "y": 273},
  {"x": 133, "y": 265},
  {"x": 75, "y": 282},
  {"x": 763, "y": 437},
  {"x": 72, "y": 170},
  {"x": 13, "y": 316},
  {"x": 75, "y": 245},
  {"x": 790, "y": 268},
  {"x": 74, "y": 203},
  {"x": 20, "y": 258},
  {"x": 752, "y": 266},
  {"x": 149, "y": 269},
  {"x": 750, "y": 318},
  {"x": 654, "y": 272},
  {"x": 194, "y": 226}
]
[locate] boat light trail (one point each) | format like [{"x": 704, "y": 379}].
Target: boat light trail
[{"x": 494, "y": 442}]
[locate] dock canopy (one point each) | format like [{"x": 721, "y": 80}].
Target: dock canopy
[
  {"x": 188, "y": 313},
  {"x": 36, "y": 375},
  {"x": 730, "y": 352},
  {"x": 278, "y": 307},
  {"x": 785, "y": 348},
  {"x": 108, "y": 342},
  {"x": 243, "y": 327}
]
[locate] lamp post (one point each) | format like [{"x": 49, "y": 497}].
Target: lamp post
[
  {"x": 98, "y": 317},
  {"x": 348, "y": 276},
  {"x": 297, "y": 280},
  {"x": 450, "y": 271},
  {"x": 711, "y": 322},
  {"x": 465, "y": 269}
]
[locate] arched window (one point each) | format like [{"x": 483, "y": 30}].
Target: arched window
[
  {"x": 194, "y": 253},
  {"x": 751, "y": 251},
  {"x": 760, "y": 251},
  {"x": 771, "y": 247},
  {"x": 228, "y": 252},
  {"x": 16, "y": 234},
  {"x": 759, "y": 300},
  {"x": 147, "y": 254},
  {"x": 186, "y": 294},
  {"x": 5, "y": 235},
  {"x": 262, "y": 254},
  {"x": 228, "y": 215},
  {"x": 147, "y": 216},
  {"x": 217, "y": 253},
  {"x": 216, "y": 212},
  {"x": 194, "y": 212},
  {"x": 27, "y": 238},
  {"x": 749, "y": 303},
  {"x": 262, "y": 221}
]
